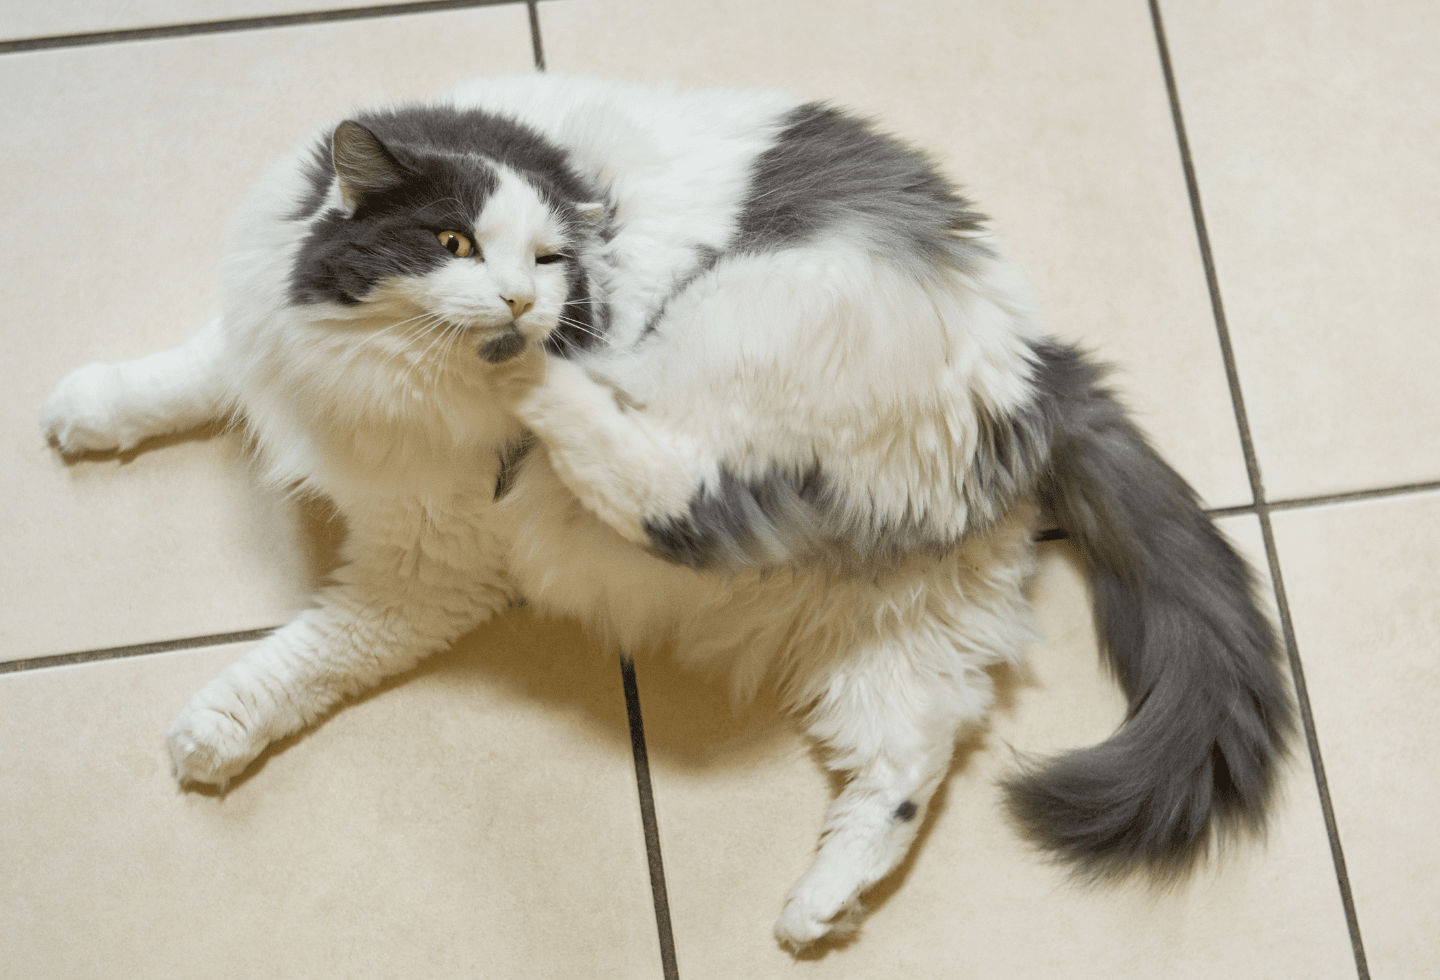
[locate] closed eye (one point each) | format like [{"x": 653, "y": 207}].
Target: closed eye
[{"x": 547, "y": 259}]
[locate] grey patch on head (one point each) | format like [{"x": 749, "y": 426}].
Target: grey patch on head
[
  {"x": 499, "y": 349},
  {"x": 512, "y": 454},
  {"x": 906, "y": 811},
  {"x": 392, "y": 230},
  {"x": 706, "y": 258},
  {"x": 829, "y": 170},
  {"x": 412, "y": 172},
  {"x": 785, "y": 516}
]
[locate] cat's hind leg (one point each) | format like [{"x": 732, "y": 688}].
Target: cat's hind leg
[
  {"x": 107, "y": 407},
  {"x": 889, "y": 724},
  {"x": 889, "y": 701}
]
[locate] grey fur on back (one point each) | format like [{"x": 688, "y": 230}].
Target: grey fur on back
[
  {"x": 829, "y": 171},
  {"x": 1179, "y": 623},
  {"x": 784, "y": 516}
]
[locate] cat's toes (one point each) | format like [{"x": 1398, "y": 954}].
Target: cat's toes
[
  {"x": 208, "y": 746},
  {"x": 805, "y": 920},
  {"x": 80, "y": 415},
  {"x": 552, "y": 382}
]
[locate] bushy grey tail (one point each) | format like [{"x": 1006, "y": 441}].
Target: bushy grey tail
[{"x": 1209, "y": 713}]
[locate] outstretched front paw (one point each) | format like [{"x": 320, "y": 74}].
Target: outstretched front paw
[
  {"x": 208, "y": 746},
  {"x": 84, "y": 414}
]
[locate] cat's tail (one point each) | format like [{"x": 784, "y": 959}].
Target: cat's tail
[{"x": 1209, "y": 713}]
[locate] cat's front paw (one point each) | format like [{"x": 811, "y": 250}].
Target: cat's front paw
[
  {"x": 516, "y": 379},
  {"x": 83, "y": 413},
  {"x": 209, "y": 746},
  {"x": 804, "y": 921}
]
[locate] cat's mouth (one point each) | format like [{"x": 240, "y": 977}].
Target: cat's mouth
[{"x": 502, "y": 347}]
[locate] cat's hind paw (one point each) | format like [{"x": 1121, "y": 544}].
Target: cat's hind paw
[
  {"x": 802, "y": 923},
  {"x": 84, "y": 413},
  {"x": 210, "y": 747}
]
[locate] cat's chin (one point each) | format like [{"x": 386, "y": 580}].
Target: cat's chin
[{"x": 503, "y": 347}]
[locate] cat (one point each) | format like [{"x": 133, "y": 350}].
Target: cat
[{"x": 725, "y": 371}]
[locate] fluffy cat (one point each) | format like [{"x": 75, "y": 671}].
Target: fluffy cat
[{"x": 722, "y": 371}]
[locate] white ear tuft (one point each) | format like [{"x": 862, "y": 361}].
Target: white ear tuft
[{"x": 592, "y": 212}]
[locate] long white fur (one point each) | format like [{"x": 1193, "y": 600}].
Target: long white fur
[{"x": 825, "y": 351}]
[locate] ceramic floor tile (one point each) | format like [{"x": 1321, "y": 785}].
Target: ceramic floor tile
[
  {"x": 1363, "y": 582},
  {"x": 124, "y": 166},
  {"x": 476, "y": 818},
  {"x": 1316, "y": 137},
  {"x": 29, "y": 19},
  {"x": 740, "y": 799},
  {"x": 1071, "y": 152}
]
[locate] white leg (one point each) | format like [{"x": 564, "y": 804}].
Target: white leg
[
  {"x": 889, "y": 721},
  {"x": 100, "y": 407},
  {"x": 390, "y": 608}
]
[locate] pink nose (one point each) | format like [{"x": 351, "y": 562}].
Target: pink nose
[{"x": 519, "y": 306}]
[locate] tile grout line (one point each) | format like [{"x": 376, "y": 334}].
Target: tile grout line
[
  {"x": 648, "y": 821},
  {"x": 1348, "y": 496},
  {"x": 1294, "y": 503},
  {"x": 242, "y": 24},
  {"x": 1321, "y": 500},
  {"x": 534, "y": 10},
  {"x": 135, "y": 650},
  {"x": 1261, "y": 508}
]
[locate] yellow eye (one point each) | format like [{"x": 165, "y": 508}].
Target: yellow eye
[{"x": 455, "y": 243}]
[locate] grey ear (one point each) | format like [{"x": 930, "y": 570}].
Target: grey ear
[{"x": 363, "y": 166}]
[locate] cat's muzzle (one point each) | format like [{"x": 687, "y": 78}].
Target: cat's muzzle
[{"x": 499, "y": 349}]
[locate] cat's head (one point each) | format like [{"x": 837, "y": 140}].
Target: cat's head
[{"x": 470, "y": 229}]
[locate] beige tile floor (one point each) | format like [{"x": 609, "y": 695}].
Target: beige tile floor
[{"x": 481, "y": 817}]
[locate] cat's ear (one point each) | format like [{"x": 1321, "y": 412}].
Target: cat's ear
[
  {"x": 363, "y": 166},
  {"x": 592, "y": 213}
]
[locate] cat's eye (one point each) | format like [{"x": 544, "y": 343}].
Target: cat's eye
[
  {"x": 547, "y": 259},
  {"x": 455, "y": 243}
]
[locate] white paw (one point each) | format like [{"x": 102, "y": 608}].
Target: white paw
[
  {"x": 807, "y": 918},
  {"x": 208, "y": 746},
  {"x": 85, "y": 414},
  {"x": 516, "y": 379}
]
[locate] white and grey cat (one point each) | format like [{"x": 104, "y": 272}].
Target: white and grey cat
[{"x": 722, "y": 371}]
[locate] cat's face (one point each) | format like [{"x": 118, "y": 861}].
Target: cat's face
[
  {"x": 500, "y": 274},
  {"x": 459, "y": 253}
]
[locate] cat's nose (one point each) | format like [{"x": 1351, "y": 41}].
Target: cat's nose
[{"x": 519, "y": 305}]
